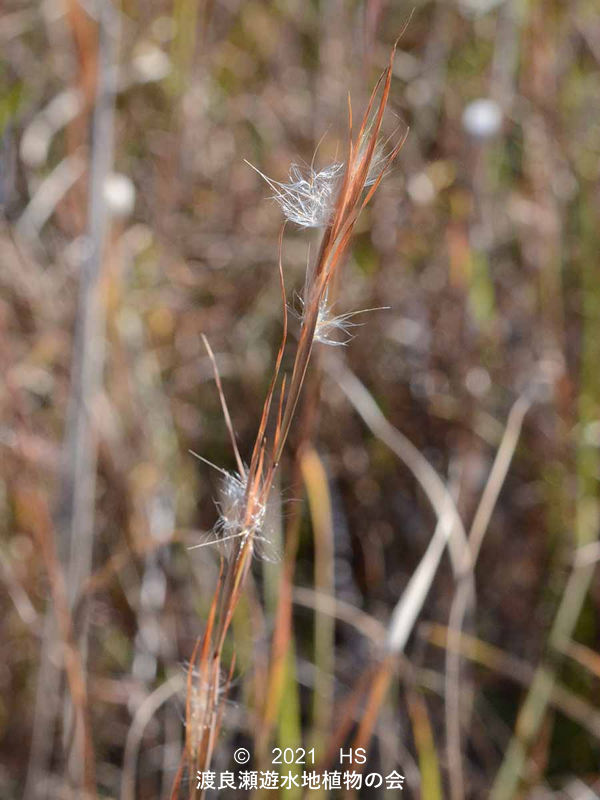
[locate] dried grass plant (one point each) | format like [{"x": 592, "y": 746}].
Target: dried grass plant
[{"x": 332, "y": 199}]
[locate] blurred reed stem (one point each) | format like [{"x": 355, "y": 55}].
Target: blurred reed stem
[
  {"x": 587, "y": 514},
  {"x": 319, "y": 503}
]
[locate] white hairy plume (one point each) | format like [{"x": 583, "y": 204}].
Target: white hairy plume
[
  {"x": 308, "y": 198},
  {"x": 235, "y": 522},
  {"x": 333, "y": 329},
  {"x": 232, "y": 506}
]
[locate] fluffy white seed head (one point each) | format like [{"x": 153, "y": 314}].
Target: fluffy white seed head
[
  {"x": 204, "y": 700},
  {"x": 240, "y": 516},
  {"x": 332, "y": 329},
  {"x": 330, "y": 326},
  {"x": 234, "y": 519},
  {"x": 308, "y": 198}
]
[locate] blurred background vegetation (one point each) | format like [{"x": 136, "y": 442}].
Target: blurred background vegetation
[{"x": 130, "y": 225}]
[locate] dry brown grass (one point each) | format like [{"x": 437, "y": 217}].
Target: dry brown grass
[{"x": 207, "y": 689}]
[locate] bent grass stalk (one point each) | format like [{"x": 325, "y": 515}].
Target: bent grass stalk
[{"x": 364, "y": 169}]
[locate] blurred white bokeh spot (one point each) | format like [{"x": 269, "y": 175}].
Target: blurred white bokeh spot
[
  {"x": 478, "y": 381},
  {"x": 475, "y": 8},
  {"x": 119, "y": 194},
  {"x": 421, "y": 189},
  {"x": 150, "y": 64},
  {"x": 482, "y": 118}
]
